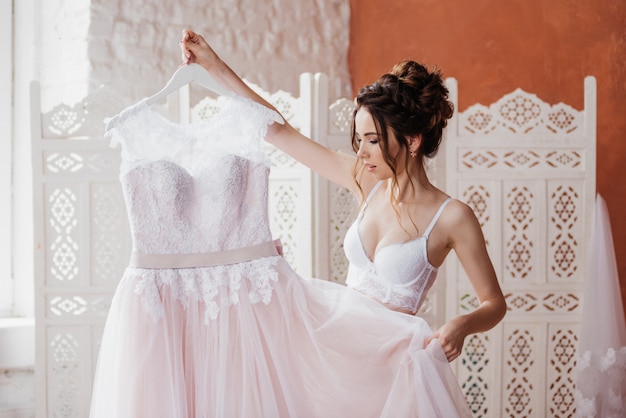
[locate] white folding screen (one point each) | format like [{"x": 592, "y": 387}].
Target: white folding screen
[
  {"x": 527, "y": 168},
  {"x": 82, "y": 246}
]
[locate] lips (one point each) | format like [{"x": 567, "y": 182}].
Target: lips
[
  {"x": 370, "y": 167},
  {"x": 367, "y": 166}
]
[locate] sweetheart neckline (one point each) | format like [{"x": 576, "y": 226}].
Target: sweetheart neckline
[
  {"x": 137, "y": 164},
  {"x": 372, "y": 260}
]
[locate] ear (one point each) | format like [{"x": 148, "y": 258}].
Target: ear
[{"x": 414, "y": 143}]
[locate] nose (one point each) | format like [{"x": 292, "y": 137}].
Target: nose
[{"x": 361, "y": 151}]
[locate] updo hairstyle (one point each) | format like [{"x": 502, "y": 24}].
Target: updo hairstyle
[{"x": 410, "y": 100}]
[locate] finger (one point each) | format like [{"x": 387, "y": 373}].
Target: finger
[
  {"x": 186, "y": 34},
  {"x": 427, "y": 342},
  {"x": 453, "y": 354}
]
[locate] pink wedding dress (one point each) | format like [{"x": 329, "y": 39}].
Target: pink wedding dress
[{"x": 209, "y": 321}]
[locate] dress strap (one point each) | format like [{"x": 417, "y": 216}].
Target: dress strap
[
  {"x": 369, "y": 197},
  {"x": 436, "y": 217}
]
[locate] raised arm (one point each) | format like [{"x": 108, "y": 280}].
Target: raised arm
[{"x": 333, "y": 165}]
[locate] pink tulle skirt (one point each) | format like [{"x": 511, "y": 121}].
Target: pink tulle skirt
[{"x": 312, "y": 349}]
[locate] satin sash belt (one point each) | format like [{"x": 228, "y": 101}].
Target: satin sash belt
[{"x": 217, "y": 258}]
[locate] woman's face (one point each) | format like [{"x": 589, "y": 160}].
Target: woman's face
[{"x": 369, "y": 152}]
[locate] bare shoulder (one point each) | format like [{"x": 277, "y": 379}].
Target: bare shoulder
[
  {"x": 460, "y": 222},
  {"x": 457, "y": 213}
]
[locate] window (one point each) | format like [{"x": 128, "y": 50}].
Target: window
[{"x": 6, "y": 166}]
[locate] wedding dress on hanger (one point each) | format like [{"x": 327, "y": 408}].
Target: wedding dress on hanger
[{"x": 209, "y": 320}]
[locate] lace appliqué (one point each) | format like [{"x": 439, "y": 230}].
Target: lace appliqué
[
  {"x": 403, "y": 297},
  {"x": 195, "y": 285},
  {"x": 601, "y": 384}
]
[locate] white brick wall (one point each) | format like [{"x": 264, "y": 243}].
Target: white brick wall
[{"x": 132, "y": 46}]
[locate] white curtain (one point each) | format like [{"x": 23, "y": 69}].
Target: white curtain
[{"x": 601, "y": 380}]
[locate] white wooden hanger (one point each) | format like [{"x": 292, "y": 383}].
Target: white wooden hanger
[{"x": 186, "y": 74}]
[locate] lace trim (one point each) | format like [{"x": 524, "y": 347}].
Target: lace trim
[
  {"x": 601, "y": 384},
  {"x": 204, "y": 284},
  {"x": 238, "y": 128},
  {"x": 405, "y": 298}
]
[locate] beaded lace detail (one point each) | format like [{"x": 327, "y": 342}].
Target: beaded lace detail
[{"x": 194, "y": 189}]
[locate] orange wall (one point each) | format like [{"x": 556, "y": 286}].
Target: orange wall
[{"x": 491, "y": 47}]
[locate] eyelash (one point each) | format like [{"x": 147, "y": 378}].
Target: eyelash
[{"x": 372, "y": 141}]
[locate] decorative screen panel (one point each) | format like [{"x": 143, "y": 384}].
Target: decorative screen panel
[
  {"x": 336, "y": 206},
  {"x": 82, "y": 246},
  {"x": 527, "y": 168}
]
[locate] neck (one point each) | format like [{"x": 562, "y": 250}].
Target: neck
[{"x": 411, "y": 185}]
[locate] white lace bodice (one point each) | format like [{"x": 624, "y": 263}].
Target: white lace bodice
[{"x": 196, "y": 188}]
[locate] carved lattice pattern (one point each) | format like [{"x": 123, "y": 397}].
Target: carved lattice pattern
[
  {"x": 543, "y": 302},
  {"x": 84, "y": 119},
  {"x": 80, "y": 237},
  {"x": 520, "y": 113},
  {"x": 64, "y": 162},
  {"x": 520, "y": 361},
  {"x": 342, "y": 207},
  {"x": 62, "y": 215},
  {"x": 518, "y": 159},
  {"x": 527, "y": 169},
  {"x": 65, "y": 369},
  {"x": 109, "y": 255},
  {"x": 477, "y": 196},
  {"x": 72, "y": 306},
  {"x": 562, "y": 366},
  {"x": 340, "y": 117},
  {"x": 284, "y": 218},
  {"x": 564, "y": 246},
  {"x": 519, "y": 203},
  {"x": 468, "y": 302},
  {"x": 474, "y": 361}
]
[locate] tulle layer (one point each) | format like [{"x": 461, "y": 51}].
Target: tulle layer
[{"x": 316, "y": 349}]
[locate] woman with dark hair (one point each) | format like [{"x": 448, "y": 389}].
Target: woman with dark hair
[{"x": 210, "y": 321}]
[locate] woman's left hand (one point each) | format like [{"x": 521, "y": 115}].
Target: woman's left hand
[{"x": 451, "y": 337}]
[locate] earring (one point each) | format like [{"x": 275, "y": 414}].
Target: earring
[{"x": 413, "y": 154}]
